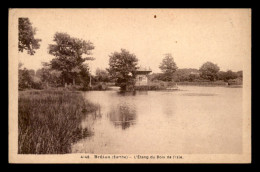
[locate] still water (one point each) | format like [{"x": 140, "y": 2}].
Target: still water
[{"x": 201, "y": 120}]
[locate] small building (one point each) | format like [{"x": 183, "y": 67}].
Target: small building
[{"x": 142, "y": 76}]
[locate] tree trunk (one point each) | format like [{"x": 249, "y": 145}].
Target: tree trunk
[
  {"x": 73, "y": 81},
  {"x": 90, "y": 81}
]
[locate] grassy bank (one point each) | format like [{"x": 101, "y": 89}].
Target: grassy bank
[
  {"x": 208, "y": 83},
  {"x": 49, "y": 121}
]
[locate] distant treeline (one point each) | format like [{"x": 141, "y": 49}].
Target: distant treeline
[
  {"x": 45, "y": 77},
  {"x": 41, "y": 78},
  {"x": 194, "y": 75}
]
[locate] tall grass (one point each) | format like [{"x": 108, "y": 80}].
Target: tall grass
[{"x": 49, "y": 121}]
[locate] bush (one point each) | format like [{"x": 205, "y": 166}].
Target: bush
[
  {"x": 99, "y": 86},
  {"x": 37, "y": 85},
  {"x": 26, "y": 80}
]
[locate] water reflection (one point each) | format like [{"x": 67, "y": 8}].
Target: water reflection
[
  {"x": 123, "y": 115},
  {"x": 132, "y": 93},
  {"x": 168, "y": 110},
  {"x": 126, "y": 93},
  {"x": 169, "y": 104},
  {"x": 87, "y": 125}
]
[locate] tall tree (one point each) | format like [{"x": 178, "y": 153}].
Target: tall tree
[
  {"x": 168, "y": 67},
  {"x": 209, "y": 71},
  {"x": 26, "y": 36},
  {"x": 68, "y": 52},
  {"x": 122, "y": 67}
]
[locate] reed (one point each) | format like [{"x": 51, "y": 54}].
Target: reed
[{"x": 49, "y": 121}]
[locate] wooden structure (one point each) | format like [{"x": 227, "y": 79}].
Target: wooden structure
[{"x": 142, "y": 76}]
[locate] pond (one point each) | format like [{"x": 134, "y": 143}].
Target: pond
[{"x": 194, "y": 119}]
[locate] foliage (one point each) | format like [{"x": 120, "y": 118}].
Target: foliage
[
  {"x": 49, "y": 121},
  {"x": 168, "y": 67},
  {"x": 49, "y": 77},
  {"x": 185, "y": 74},
  {"x": 26, "y": 80},
  {"x": 84, "y": 76},
  {"x": 240, "y": 74},
  {"x": 236, "y": 81},
  {"x": 227, "y": 75},
  {"x": 209, "y": 71},
  {"x": 26, "y": 37},
  {"x": 122, "y": 67},
  {"x": 31, "y": 72},
  {"x": 102, "y": 75},
  {"x": 68, "y": 52}
]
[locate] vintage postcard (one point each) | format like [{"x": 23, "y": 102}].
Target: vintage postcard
[{"x": 129, "y": 85}]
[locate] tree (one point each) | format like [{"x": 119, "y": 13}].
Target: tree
[
  {"x": 68, "y": 52},
  {"x": 240, "y": 74},
  {"x": 168, "y": 67},
  {"x": 122, "y": 67},
  {"x": 25, "y": 80},
  {"x": 186, "y": 74},
  {"x": 221, "y": 75},
  {"x": 84, "y": 76},
  {"x": 102, "y": 75},
  {"x": 31, "y": 72},
  {"x": 26, "y": 37},
  {"x": 49, "y": 76},
  {"x": 231, "y": 75},
  {"x": 227, "y": 75},
  {"x": 209, "y": 71}
]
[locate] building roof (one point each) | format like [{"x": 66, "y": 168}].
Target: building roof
[{"x": 143, "y": 69}]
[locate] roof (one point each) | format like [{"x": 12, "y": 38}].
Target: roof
[{"x": 141, "y": 69}]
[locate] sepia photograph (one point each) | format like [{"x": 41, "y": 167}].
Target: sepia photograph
[{"x": 129, "y": 85}]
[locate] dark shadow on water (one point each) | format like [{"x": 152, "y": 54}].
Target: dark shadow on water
[
  {"x": 126, "y": 93},
  {"x": 122, "y": 116},
  {"x": 132, "y": 93}
]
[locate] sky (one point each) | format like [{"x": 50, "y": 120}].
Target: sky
[{"x": 192, "y": 36}]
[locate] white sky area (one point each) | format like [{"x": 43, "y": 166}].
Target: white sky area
[{"x": 192, "y": 36}]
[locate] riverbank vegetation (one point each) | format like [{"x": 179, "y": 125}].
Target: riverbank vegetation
[
  {"x": 49, "y": 121},
  {"x": 191, "y": 76},
  {"x": 45, "y": 78}
]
